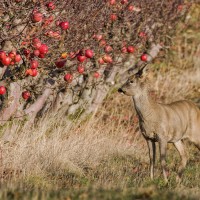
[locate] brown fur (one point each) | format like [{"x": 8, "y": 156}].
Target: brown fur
[{"x": 163, "y": 123}]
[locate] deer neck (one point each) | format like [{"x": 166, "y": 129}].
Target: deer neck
[{"x": 144, "y": 105}]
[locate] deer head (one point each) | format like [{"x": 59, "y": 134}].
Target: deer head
[{"x": 135, "y": 83}]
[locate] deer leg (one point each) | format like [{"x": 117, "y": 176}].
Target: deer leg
[
  {"x": 163, "y": 149},
  {"x": 152, "y": 156},
  {"x": 180, "y": 147}
]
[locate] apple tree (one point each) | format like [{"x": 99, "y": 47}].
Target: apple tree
[{"x": 67, "y": 55}]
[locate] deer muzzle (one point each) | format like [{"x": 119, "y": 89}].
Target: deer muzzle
[{"x": 121, "y": 91}]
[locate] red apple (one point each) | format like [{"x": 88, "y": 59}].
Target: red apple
[
  {"x": 36, "y": 52},
  {"x": 124, "y": 1},
  {"x": 124, "y": 50},
  {"x": 26, "y": 95},
  {"x": 113, "y": 17},
  {"x": 144, "y": 57},
  {"x": 28, "y": 72},
  {"x": 180, "y": 7},
  {"x": 142, "y": 34},
  {"x": 27, "y": 52},
  {"x": 80, "y": 69},
  {"x": 102, "y": 43},
  {"x": 96, "y": 75},
  {"x": 51, "y": 5},
  {"x": 41, "y": 55},
  {"x": 130, "y": 49},
  {"x": 37, "y": 44},
  {"x": 107, "y": 59},
  {"x": 2, "y": 55},
  {"x": 31, "y": 72},
  {"x": 81, "y": 58},
  {"x": 60, "y": 63},
  {"x": 108, "y": 49},
  {"x": 35, "y": 40},
  {"x": 57, "y": 22},
  {"x": 11, "y": 55},
  {"x": 112, "y": 2},
  {"x": 130, "y": 7},
  {"x": 49, "y": 33},
  {"x": 89, "y": 53},
  {"x": 18, "y": 58},
  {"x": 72, "y": 55},
  {"x": 101, "y": 61},
  {"x": 98, "y": 37},
  {"x": 2, "y": 90},
  {"x": 24, "y": 43},
  {"x": 48, "y": 20},
  {"x": 34, "y": 64},
  {"x": 64, "y": 25},
  {"x": 43, "y": 49},
  {"x": 34, "y": 72},
  {"x": 68, "y": 77},
  {"x": 37, "y": 17},
  {"x": 6, "y": 61}
]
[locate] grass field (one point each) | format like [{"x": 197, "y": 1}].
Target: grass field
[{"x": 106, "y": 157}]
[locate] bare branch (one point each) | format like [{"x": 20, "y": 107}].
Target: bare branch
[
  {"x": 39, "y": 103},
  {"x": 12, "y": 102}
]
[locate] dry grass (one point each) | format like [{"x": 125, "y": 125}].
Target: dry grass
[{"x": 56, "y": 146}]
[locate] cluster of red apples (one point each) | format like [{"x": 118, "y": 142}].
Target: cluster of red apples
[{"x": 35, "y": 50}]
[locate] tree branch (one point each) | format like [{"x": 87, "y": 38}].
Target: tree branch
[
  {"x": 152, "y": 53},
  {"x": 12, "y": 104},
  {"x": 37, "y": 106}
]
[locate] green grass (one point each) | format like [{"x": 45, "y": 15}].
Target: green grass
[{"x": 90, "y": 193}]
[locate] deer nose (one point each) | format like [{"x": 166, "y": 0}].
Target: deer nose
[{"x": 120, "y": 90}]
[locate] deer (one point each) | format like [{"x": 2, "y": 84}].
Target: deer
[{"x": 163, "y": 123}]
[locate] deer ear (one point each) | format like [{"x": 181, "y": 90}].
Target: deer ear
[
  {"x": 142, "y": 72},
  {"x": 145, "y": 72}
]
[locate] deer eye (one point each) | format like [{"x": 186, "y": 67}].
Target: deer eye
[{"x": 131, "y": 81}]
